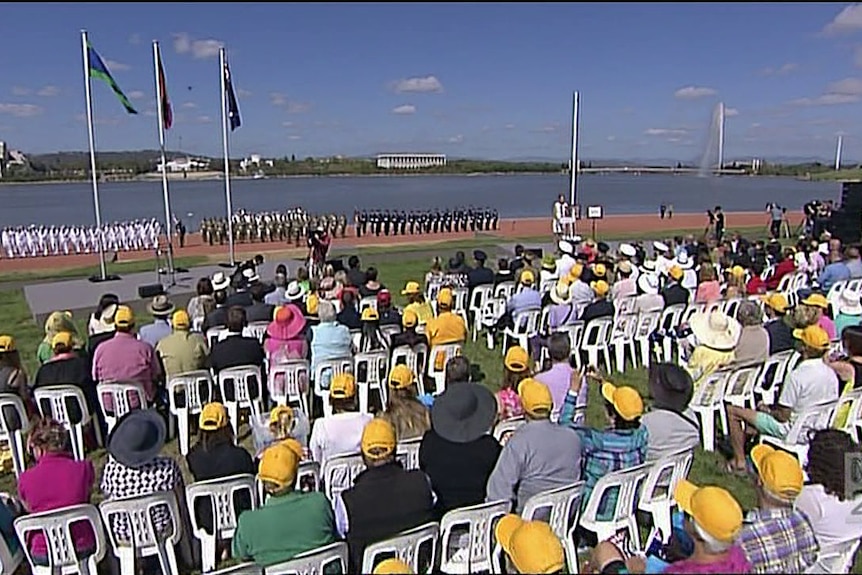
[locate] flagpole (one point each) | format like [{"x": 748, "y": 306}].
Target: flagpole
[
  {"x": 575, "y": 167},
  {"x": 166, "y": 197},
  {"x": 101, "y": 244},
  {"x": 224, "y": 120}
]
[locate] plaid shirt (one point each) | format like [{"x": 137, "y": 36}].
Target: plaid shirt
[{"x": 778, "y": 541}]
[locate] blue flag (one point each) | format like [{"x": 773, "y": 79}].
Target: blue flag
[{"x": 232, "y": 108}]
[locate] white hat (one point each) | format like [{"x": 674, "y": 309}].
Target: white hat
[
  {"x": 716, "y": 330},
  {"x": 566, "y": 247},
  {"x": 648, "y": 283},
  {"x": 250, "y": 275},
  {"x": 648, "y": 265},
  {"x": 576, "y": 239},
  {"x": 561, "y": 293},
  {"x": 661, "y": 247},
  {"x": 684, "y": 262},
  {"x": 220, "y": 281},
  {"x": 823, "y": 249},
  {"x": 849, "y": 302},
  {"x": 294, "y": 291},
  {"x": 628, "y": 250}
]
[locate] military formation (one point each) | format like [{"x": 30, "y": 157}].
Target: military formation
[
  {"x": 414, "y": 222},
  {"x": 292, "y": 225},
  {"x": 35, "y": 241}
]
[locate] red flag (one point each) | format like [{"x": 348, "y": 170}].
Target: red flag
[{"x": 167, "y": 114}]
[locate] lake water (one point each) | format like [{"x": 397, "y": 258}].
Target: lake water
[{"x": 514, "y": 196}]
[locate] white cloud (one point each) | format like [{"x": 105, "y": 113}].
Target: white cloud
[
  {"x": 20, "y": 110},
  {"x": 203, "y": 119},
  {"x": 404, "y": 109},
  {"x": 419, "y": 84},
  {"x": 730, "y": 112},
  {"x": 115, "y": 66},
  {"x": 189, "y": 105},
  {"x": 692, "y": 92},
  {"x": 457, "y": 139},
  {"x": 848, "y": 86},
  {"x": 664, "y": 132},
  {"x": 135, "y": 38},
  {"x": 294, "y": 137},
  {"x": 48, "y": 91},
  {"x": 287, "y": 124},
  {"x": 780, "y": 71},
  {"x": 277, "y": 99},
  {"x": 509, "y": 126},
  {"x": 136, "y": 95},
  {"x": 611, "y": 138},
  {"x": 243, "y": 93},
  {"x": 20, "y": 91},
  {"x": 298, "y": 107},
  {"x": 846, "y": 91},
  {"x": 848, "y": 20},
  {"x": 199, "y": 49}
]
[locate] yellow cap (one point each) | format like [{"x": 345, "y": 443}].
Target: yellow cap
[
  {"x": 409, "y": 318},
  {"x": 392, "y": 566},
  {"x": 713, "y": 509},
  {"x": 370, "y": 314},
  {"x": 816, "y": 300},
  {"x": 601, "y": 288},
  {"x": 779, "y": 472},
  {"x": 626, "y": 400},
  {"x": 7, "y": 343},
  {"x": 576, "y": 271},
  {"x": 600, "y": 270},
  {"x": 676, "y": 272},
  {"x": 124, "y": 317},
  {"x": 444, "y": 297},
  {"x": 213, "y": 417},
  {"x": 342, "y": 386},
  {"x": 532, "y": 546},
  {"x": 378, "y": 439},
  {"x": 280, "y": 462},
  {"x": 411, "y": 288},
  {"x": 180, "y": 319},
  {"x": 517, "y": 359},
  {"x": 278, "y": 412},
  {"x": 776, "y": 301},
  {"x": 63, "y": 338},
  {"x": 535, "y": 397},
  {"x": 528, "y": 277},
  {"x": 311, "y": 304},
  {"x": 813, "y": 336},
  {"x": 737, "y": 271},
  {"x": 401, "y": 377}
]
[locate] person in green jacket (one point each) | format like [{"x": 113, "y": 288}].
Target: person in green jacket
[{"x": 290, "y": 522}]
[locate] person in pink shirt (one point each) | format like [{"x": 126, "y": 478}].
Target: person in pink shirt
[
  {"x": 57, "y": 480},
  {"x": 819, "y": 305},
  {"x": 285, "y": 335},
  {"x": 516, "y": 367},
  {"x": 708, "y": 288},
  {"x": 125, "y": 358}
]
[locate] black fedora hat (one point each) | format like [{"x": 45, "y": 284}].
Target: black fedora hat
[
  {"x": 670, "y": 386},
  {"x": 464, "y": 412},
  {"x": 137, "y": 438}
]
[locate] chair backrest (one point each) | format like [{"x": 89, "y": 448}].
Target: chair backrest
[
  {"x": 564, "y": 505},
  {"x": 368, "y": 302},
  {"x": 627, "y": 481},
  {"x": 406, "y": 355},
  {"x": 197, "y": 389},
  {"x": 216, "y": 334},
  {"x": 710, "y": 391},
  {"x": 284, "y": 380},
  {"x": 221, "y": 492},
  {"x": 409, "y": 449},
  {"x": 13, "y": 402},
  {"x": 817, "y": 416},
  {"x": 478, "y": 296},
  {"x": 504, "y": 290},
  {"x": 671, "y": 316},
  {"x": 730, "y": 306},
  {"x": 56, "y": 525},
  {"x": 314, "y": 562},
  {"x": 835, "y": 558},
  {"x": 339, "y": 471},
  {"x": 376, "y": 364},
  {"x": 437, "y": 358},
  {"x": 51, "y": 401},
  {"x": 325, "y": 370},
  {"x": 663, "y": 477},
  {"x": 140, "y": 511},
  {"x": 406, "y": 546},
  {"x": 647, "y": 323},
  {"x": 742, "y": 381},
  {"x": 597, "y": 332},
  {"x": 387, "y": 331},
  {"x": 575, "y": 331},
  {"x": 115, "y": 399},
  {"x": 241, "y": 376},
  {"x": 460, "y": 298},
  {"x": 506, "y": 428},
  {"x": 625, "y": 305},
  {"x": 480, "y": 521},
  {"x": 526, "y": 322},
  {"x": 773, "y": 371},
  {"x": 256, "y": 329}
]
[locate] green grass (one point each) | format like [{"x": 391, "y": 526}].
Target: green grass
[{"x": 141, "y": 265}]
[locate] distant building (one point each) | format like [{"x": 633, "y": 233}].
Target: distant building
[
  {"x": 410, "y": 161},
  {"x": 186, "y": 164},
  {"x": 3, "y": 159},
  {"x": 254, "y": 161}
]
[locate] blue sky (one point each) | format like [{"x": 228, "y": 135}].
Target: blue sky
[{"x": 468, "y": 80}]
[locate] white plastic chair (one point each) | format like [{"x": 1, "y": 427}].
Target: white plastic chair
[
  {"x": 647, "y": 323},
  {"x": 506, "y": 428},
  {"x": 835, "y": 558},
  {"x": 771, "y": 377},
  {"x": 439, "y": 355},
  {"x": 817, "y": 416},
  {"x": 575, "y": 331},
  {"x": 460, "y": 301},
  {"x": 622, "y": 338},
  {"x": 478, "y": 296},
  {"x": 13, "y": 432},
  {"x": 284, "y": 381},
  {"x": 480, "y": 521},
  {"x": 597, "y": 336},
  {"x": 834, "y": 293},
  {"x": 314, "y": 562},
  {"x": 339, "y": 471},
  {"x": 367, "y": 302},
  {"x": 197, "y": 390},
  {"x": 625, "y": 305},
  {"x": 323, "y": 374},
  {"x": 504, "y": 290},
  {"x": 525, "y": 326},
  {"x": 221, "y": 494},
  {"x": 241, "y": 377},
  {"x": 853, "y": 424},
  {"x": 739, "y": 390},
  {"x": 56, "y": 526},
  {"x": 730, "y": 306},
  {"x": 406, "y": 546},
  {"x": 408, "y": 356},
  {"x": 372, "y": 378},
  {"x": 241, "y": 569},
  {"x": 216, "y": 334},
  {"x": 409, "y": 449},
  {"x": 146, "y": 540},
  {"x": 671, "y": 318},
  {"x": 564, "y": 505},
  {"x": 9, "y": 562},
  {"x": 656, "y": 496},
  {"x": 307, "y": 474},
  {"x": 115, "y": 400},
  {"x": 256, "y": 329},
  {"x": 626, "y": 482},
  {"x": 707, "y": 403},
  {"x": 51, "y": 401}
]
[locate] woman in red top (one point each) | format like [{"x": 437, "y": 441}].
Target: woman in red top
[
  {"x": 784, "y": 267},
  {"x": 756, "y": 285}
]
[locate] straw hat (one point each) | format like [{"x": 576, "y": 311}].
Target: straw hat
[
  {"x": 561, "y": 294},
  {"x": 716, "y": 330},
  {"x": 220, "y": 281},
  {"x": 648, "y": 283},
  {"x": 849, "y": 302},
  {"x": 684, "y": 262}
]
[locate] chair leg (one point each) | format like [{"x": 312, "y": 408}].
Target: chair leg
[
  {"x": 183, "y": 433},
  {"x": 233, "y": 413}
]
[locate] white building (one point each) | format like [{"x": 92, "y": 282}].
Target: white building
[
  {"x": 186, "y": 164},
  {"x": 254, "y": 161},
  {"x": 409, "y": 161}
]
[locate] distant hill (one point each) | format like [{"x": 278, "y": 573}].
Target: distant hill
[{"x": 72, "y": 160}]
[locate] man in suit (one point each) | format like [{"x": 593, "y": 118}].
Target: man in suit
[{"x": 236, "y": 350}]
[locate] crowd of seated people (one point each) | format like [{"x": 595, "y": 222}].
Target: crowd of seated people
[{"x": 460, "y": 462}]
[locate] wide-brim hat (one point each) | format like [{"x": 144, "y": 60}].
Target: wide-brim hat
[
  {"x": 464, "y": 412},
  {"x": 137, "y": 438},
  {"x": 628, "y": 250},
  {"x": 557, "y": 297},
  {"x": 220, "y": 281},
  {"x": 716, "y": 330},
  {"x": 849, "y": 302},
  {"x": 648, "y": 283},
  {"x": 671, "y": 388},
  {"x": 105, "y": 322},
  {"x": 566, "y": 247},
  {"x": 684, "y": 262},
  {"x": 660, "y": 246},
  {"x": 288, "y": 323},
  {"x": 294, "y": 291},
  {"x": 160, "y": 306}
]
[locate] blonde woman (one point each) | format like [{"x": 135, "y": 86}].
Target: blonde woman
[{"x": 404, "y": 411}]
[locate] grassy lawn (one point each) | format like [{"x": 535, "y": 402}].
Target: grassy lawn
[{"x": 134, "y": 266}]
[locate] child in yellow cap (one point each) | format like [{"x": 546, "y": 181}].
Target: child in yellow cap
[
  {"x": 516, "y": 368},
  {"x": 530, "y": 546},
  {"x": 13, "y": 377},
  {"x": 404, "y": 411},
  {"x": 340, "y": 432}
]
